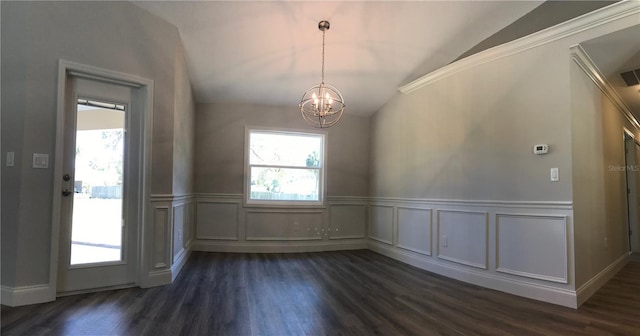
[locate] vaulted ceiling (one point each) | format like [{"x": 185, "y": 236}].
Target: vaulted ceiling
[{"x": 270, "y": 51}]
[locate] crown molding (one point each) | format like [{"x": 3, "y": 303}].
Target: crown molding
[
  {"x": 574, "y": 26},
  {"x": 580, "y": 56}
]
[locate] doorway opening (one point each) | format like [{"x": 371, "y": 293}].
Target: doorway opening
[{"x": 102, "y": 173}]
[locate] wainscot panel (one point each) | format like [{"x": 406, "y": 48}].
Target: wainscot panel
[
  {"x": 161, "y": 240},
  {"x": 347, "y": 221},
  {"x": 381, "y": 223},
  {"x": 462, "y": 237},
  {"x": 217, "y": 219},
  {"x": 284, "y": 225},
  {"x": 178, "y": 230},
  {"x": 532, "y": 246},
  {"x": 414, "y": 229}
]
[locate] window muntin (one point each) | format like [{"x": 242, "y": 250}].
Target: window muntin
[{"x": 285, "y": 168}]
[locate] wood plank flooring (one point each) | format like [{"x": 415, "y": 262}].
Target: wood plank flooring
[{"x": 328, "y": 293}]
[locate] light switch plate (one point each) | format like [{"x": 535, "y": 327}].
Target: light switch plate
[
  {"x": 40, "y": 161},
  {"x": 10, "y": 159},
  {"x": 554, "y": 175}
]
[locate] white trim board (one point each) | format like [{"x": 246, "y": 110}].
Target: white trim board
[
  {"x": 144, "y": 97},
  {"x": 616, "y": 11},
  {"x": 582, "y": 59},
  {"x": 591, "y": 287},
  {"x": 26, "y": 295}
]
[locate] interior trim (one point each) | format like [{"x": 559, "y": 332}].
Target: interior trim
[
  {"x": 580, "y": 56},
  {"x": 574, "y": 26}
]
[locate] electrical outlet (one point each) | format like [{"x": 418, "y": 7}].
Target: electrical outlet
[{"x": 444, "y": 241}]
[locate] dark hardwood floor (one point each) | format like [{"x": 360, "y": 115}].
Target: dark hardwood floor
[{"x": 328, "y": 293}]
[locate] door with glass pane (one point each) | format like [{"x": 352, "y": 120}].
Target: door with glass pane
[{"x": 97, "y": 241}]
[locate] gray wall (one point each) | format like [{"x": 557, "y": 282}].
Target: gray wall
[
  {"x": 183, "y": 128},
  {"x": 470, "y": 135},
  {"x": 35, "y": 35},
  {"x": 600, "y": 206},
  {"x": 220, "y": 132}
]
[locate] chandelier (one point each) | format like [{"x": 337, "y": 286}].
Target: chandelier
[{"x": 322, "y": 105}]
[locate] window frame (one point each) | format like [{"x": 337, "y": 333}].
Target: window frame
[{"x": 320, "y": 203}]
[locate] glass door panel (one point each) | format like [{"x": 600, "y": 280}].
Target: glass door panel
[{"x": 97, "y": 218}]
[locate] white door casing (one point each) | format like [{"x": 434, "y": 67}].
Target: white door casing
[{"x": 139, "y": 157}]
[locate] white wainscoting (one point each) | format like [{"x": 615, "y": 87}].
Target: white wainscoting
[
  {"x": 225, "y": 224},
  {"x": 532, "y": 246},
  {"x": 170, "y": 240},
  {"x": 522, "y": 248},
  {"x": 414, "y": 229},
  {"x": 462, "y": 237}
]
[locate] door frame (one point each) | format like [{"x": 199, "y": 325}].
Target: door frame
[
  {"x": 632, "y": 192},
  {"x": 142, "y": 98}
]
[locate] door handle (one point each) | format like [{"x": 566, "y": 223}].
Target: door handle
[
  {"x": 66, "y": 177},
  {"x": 66, "y": 192}
]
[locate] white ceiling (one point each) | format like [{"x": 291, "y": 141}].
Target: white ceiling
[
  {"x": 615, "y": 53},
  {"x": 270, "y": 51}
]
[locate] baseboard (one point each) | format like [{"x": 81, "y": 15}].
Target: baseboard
[
  {"x": 559, "y": 296},
  {"x": 277, "y": 247},
  {"x": 590, "y": 287},
  {"x": 179, "y": 262},
  {"x": 157, "y": 278},
  {"x": 20, "y": 296}
]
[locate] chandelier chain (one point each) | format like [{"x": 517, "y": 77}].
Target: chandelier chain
[{"x": 323, "y": 34}]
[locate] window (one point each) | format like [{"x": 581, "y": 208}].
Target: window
[{"x": 284, "y": 168}]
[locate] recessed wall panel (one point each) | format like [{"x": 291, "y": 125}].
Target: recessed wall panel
[
  {"x": 532, "y": 246},
  {"x": 217, "y": 220},
  {"x": 178, "y": 228},
  {"x": 462, "y": 237},
  {"x": 347, "y": 221},
  {"x": 284, "y": 225},
  {"x": 414, "y": 229},
  {"x": 381, "y": 223}
]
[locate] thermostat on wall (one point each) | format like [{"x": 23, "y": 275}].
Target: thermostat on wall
[{"x": 540, "y": 149}]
